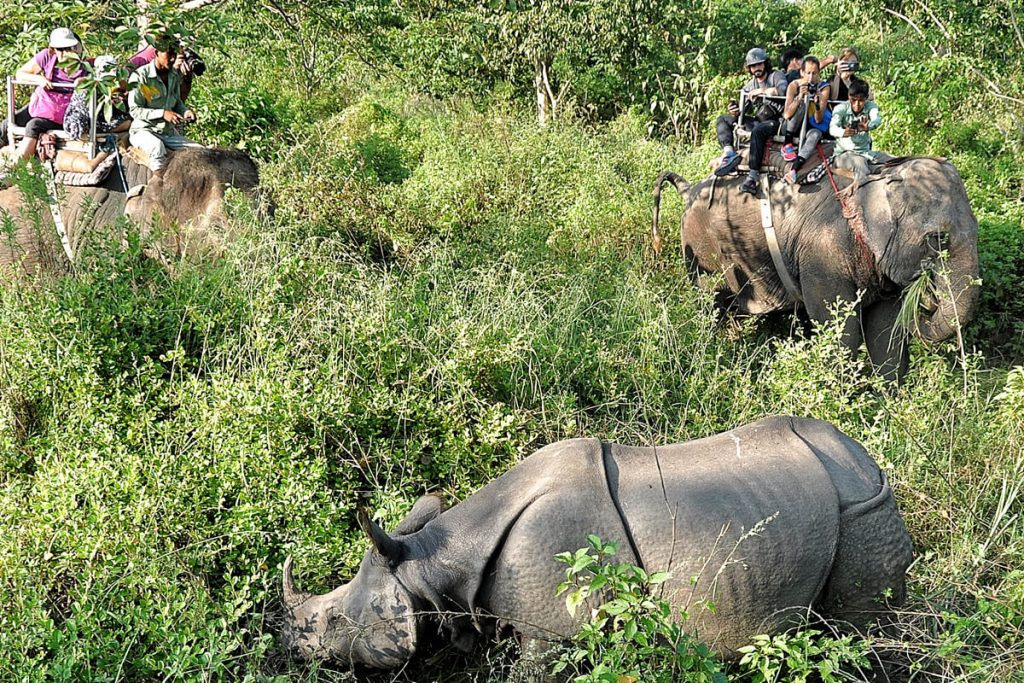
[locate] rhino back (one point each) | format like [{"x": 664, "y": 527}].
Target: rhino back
[{"x": 747, "y": 520}]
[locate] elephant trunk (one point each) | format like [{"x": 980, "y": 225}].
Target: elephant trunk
[
  {"x": 955, "y": 291},
  {"x": 682, "y": 187}
]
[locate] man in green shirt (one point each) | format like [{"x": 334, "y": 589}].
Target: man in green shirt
[
  {"x": 156, "y": 107},
  {"x": 851, "y": 122}
]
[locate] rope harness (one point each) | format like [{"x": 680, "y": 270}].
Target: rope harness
[{"x": 851, "y": 212}]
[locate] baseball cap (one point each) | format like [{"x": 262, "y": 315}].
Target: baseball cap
[{"x": 63, "y": 38}]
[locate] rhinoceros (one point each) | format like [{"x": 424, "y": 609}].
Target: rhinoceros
[{"x": 766, "y": 521}]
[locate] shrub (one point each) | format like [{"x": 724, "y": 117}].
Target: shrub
[{"x": 631, "y": 634}]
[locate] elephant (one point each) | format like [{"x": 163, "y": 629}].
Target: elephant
[
  {"x": 768, "y": 521},
  {"x": 179, "y": 210},
  {"x": 908, "y": 220}
]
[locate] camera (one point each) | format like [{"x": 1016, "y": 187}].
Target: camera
[
  {"x": 193, "y": 61},
  {"x": 847, "y": 65},
  {"x": 812, "y": 88}
]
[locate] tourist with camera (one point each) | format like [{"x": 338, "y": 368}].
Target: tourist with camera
[
  {"x": 764, "y": 117},
  {"x": 806, "y": 100},
  {"x": 156, "y": 107},
  {"x": 851, "y": 124},
  {"x": 847, "y": 67}
]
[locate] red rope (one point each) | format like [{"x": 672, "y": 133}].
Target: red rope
[{"x": 849, "y": 212}]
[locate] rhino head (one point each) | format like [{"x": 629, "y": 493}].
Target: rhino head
[{"x": 372, "y": 620}]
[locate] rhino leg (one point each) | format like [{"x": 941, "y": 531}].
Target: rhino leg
[{"x": 868, "y": 573}]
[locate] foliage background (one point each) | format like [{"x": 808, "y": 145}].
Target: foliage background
[{"x": 445, "y": 287}]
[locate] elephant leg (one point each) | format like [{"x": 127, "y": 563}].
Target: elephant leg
[
  {"x": 820, "y": 296},
  {"x": 888, "y": 346}
]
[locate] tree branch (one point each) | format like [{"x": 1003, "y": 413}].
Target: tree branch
[
  {"x": 275, "y": 8},
  {"x": 1016, "y": 23},
  {"x": 993, "y": 88},
  {"x": 938, "y": 22},
  {"x": 910, "y": 22},
  {"x": 197, "y": 4}
]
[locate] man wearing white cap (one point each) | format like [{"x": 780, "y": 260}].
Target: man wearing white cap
[{"x": 45, "y": 111}]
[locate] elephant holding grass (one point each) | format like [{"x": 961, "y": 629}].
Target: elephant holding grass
[
  {"x": 766, "y": 521},
  {"x": 900, "y": 246}
]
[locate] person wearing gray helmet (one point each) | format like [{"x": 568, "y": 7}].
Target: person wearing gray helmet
[{"x": 764, "y": 123}]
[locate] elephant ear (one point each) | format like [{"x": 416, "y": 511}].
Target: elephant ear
[
  {"x": 880, "y": 219},
  {"x": 425, "y": 509}
]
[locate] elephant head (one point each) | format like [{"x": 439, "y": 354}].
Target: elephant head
[
  {"x": 371, "y": 621},
  {"x": 919, "y": 221}
]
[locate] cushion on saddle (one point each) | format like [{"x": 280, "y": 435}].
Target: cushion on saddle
[
  {"x": 90, "y": 179},
  {"x": 77, "y": 162},
  {"x": 776, "y": 166}
]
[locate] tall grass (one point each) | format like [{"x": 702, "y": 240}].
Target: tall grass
[{"x": 443, "y": 291}]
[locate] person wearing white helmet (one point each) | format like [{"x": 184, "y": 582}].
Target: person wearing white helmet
[
  {"x": 77, "y": 117},
  {"x": 764, "y": 82},
  {"x": 50, "y": 100}
]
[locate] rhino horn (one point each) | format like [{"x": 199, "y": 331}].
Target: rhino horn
[
  {"x": 388, "y": 547},
  {"x": 292, "y": 598}
]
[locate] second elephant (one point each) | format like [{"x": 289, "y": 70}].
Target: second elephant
[{"x": 914, "y": 218}]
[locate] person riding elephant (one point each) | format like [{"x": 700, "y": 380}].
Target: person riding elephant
[
  {"x": 763, "y": 84},
  {"x": 45, "y": 111},
  {"x": 156, "y": 107},
  {"x": 908, "y": 220}
]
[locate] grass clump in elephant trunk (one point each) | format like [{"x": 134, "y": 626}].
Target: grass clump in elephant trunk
[{"x": 917, "y": 298}]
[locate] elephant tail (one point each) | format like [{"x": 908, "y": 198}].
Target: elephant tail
[{"x": 682, "y": 187}]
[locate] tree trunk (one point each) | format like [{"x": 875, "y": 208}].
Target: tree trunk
[
  {"x": 541, "y": 91},
  {"x": 142, "y": 20}
]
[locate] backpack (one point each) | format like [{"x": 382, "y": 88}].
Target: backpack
[{"x": 46, "y": 147}]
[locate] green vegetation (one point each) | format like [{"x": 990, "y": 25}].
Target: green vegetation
[
  {"x": 633, "y": 635},
  {"x": 446, "y": 286}
]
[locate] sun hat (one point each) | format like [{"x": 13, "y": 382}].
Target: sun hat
[{"x": 63, "y": 39}]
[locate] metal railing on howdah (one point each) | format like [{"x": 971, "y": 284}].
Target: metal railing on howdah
[{"x": 13, "y": 131}]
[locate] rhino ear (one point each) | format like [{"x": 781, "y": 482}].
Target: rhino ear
[
  {"x": 386, "y": 546},
  {"x": 425, "y": 509}
]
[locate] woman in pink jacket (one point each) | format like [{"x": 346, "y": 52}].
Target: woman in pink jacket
[{"x": 45, "y": 111}]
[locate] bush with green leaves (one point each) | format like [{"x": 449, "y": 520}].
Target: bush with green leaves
[
  {"x": 632, "y": 633},
  {"x": 806, "y": 655}
]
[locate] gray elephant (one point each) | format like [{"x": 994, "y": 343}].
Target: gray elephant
[
  {"x": 900, "y": 221},
  {"x": 184, "y": 206},
  {"x": 767, "y": 521}
]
